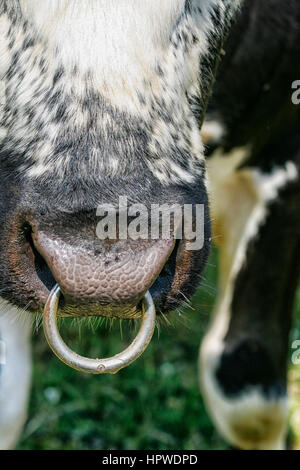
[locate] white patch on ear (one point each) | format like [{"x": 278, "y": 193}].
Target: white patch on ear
[
  {"x": 240, "y": 200},
  {"x": 15, "y": 374}
]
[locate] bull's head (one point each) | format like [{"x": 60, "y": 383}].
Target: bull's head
[{"x": 101, "y": 103}]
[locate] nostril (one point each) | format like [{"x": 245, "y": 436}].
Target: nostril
[{"x": 41, "y": 268}]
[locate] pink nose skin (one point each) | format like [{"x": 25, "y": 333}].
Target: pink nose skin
[{"x": 105, "y": 278}]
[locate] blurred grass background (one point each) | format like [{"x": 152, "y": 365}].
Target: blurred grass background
[{"x": 153, "y": 404}]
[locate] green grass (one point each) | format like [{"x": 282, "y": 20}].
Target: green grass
[{"x": 153, "y": 404}]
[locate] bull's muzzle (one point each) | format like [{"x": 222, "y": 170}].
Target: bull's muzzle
[{"x": 109, "y": 365}]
